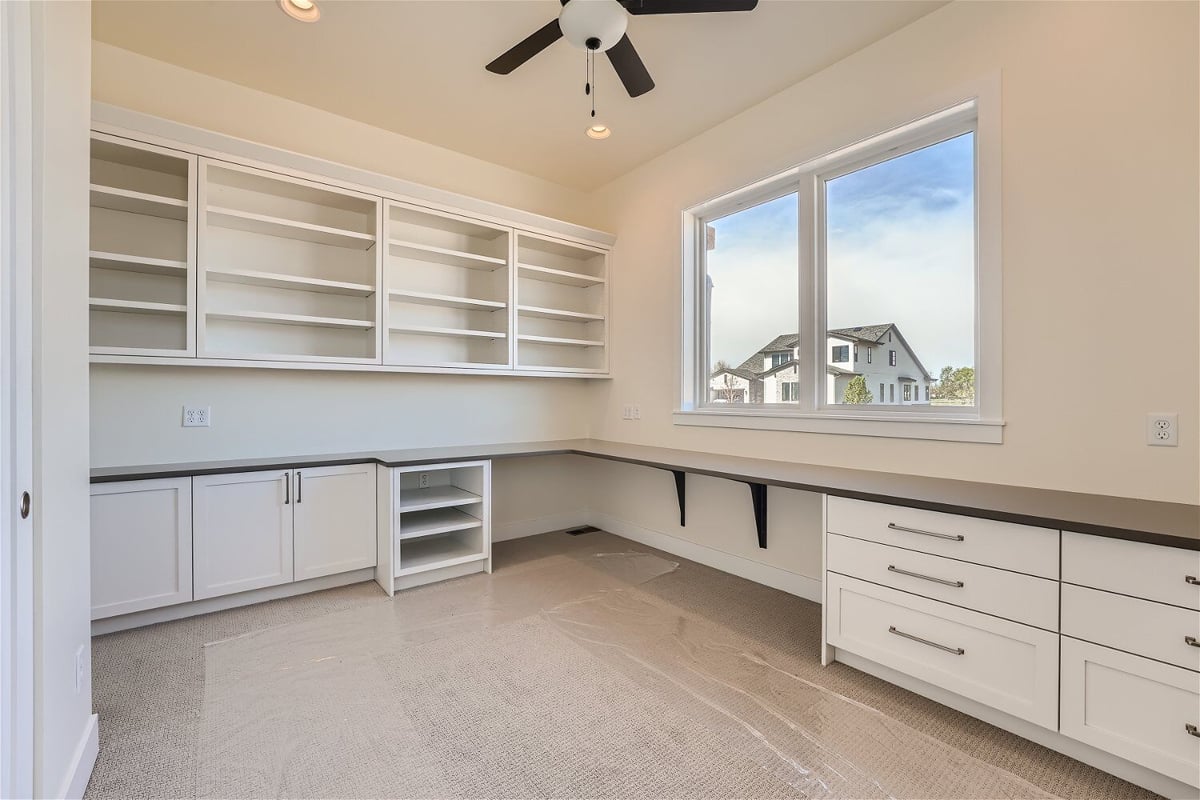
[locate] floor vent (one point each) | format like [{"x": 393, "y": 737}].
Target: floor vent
[{"x": 584, "y": 529}]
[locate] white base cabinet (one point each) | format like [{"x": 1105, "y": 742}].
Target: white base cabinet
[
  {"x": 243, "y": 531},
  {"x": 141, "y": 545},
  {"x": 333, "y": 520}
]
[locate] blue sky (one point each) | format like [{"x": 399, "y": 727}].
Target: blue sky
[{"x": 900, "y": 249}]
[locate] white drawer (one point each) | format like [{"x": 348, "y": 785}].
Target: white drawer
[
  {"x": 1136, "y": 626},
  {"x": 1020, "y": 548},
  {"x": 1023, "y": 598},
  {"x": 1008, "y": 666},
  {"x": 1132, "y": 707},
  {"x": 1143, "y": 570}
]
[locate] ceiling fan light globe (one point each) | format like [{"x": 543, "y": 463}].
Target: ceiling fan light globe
[{"x": 604, "y": 20}]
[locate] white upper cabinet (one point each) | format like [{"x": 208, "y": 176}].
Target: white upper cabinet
[
  {"x": 142, "y": 292},
  {"x": 289, "y": 269},
  {"x": 448, "y": 281},
  {"x": 253, "y": 264},
  {"x": 562, "y": 305}
]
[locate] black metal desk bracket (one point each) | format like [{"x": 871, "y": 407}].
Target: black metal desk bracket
[{"x": 758, "y": 496}]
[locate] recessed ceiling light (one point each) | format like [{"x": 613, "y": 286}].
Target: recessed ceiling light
[
  {"x": 599, "y": 131},
  {"x": 303, "y": 10}
]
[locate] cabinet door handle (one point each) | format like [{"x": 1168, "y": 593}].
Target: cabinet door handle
[
  {"x": 1191, "y": 640},
  {"x": 287, "y": 489},
  {"x": 954, "y": 538},
  {"x": 1192, "y": 729},
  {"x": 942, "y": 581},
  {"x": 1192, "y": 579},
  {"x": 299, "y": 488},
  {"x": 958, "y": 651}
]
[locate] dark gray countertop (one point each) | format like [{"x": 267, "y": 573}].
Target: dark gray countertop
[{"x": 1155, "y": 522}]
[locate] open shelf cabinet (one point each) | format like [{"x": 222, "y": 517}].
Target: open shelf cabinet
[
  {"x": 447, "y": 280},
  {"x": 435, "y": 523},
  {"x": 289, "y": 269},
  {"x": 141, "y": 265},
  {"x": 561, "y": 305}
]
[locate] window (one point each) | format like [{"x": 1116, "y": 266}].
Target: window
[
  {"x": 890, "y": 242},
  {"x": 746, "y": 250}
]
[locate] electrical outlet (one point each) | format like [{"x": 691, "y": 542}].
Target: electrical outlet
[
  {"x": 423, "y": 480},
  {"x": 1162, "y": 429},
  {"x": 637, "y": 412},
  {"x": 80, "y": 665},
  {"x": 197, "y": 416}
]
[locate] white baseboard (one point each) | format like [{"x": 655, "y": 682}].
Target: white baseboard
[
  {"x": 518, "y": 529},
  {"x": 1126, "y": 770},
  {"x": 83, "y": 761},
  {"x": 767, "y": 575},
  {"x": 197, "y": 607}
]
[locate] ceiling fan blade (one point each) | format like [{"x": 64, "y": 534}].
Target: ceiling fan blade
[
  {"x": 686, "y": 6},
  {"x": 533, "y": 44},
  {"x": 629, "y": 67}
]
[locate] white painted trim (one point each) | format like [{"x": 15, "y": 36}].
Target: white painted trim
[
  {"x": 211, "y": 604},
  {"x": 911, "y": 426},
  {"x": 327, "y": 366},
  {"x": 756, "y": 571},
  {"x": 83, "y": 762},
  {"x": 1126, "y": 770},
  {"x": 519, "y": 529}
]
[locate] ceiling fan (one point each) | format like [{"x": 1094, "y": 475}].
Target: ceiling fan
[{"x": 599, "y": 26}]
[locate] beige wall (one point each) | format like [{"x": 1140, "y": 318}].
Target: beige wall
[
  {"x": 62, "y": 585},
  {"x": 1100, "y": 202}
]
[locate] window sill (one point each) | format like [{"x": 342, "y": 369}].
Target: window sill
[{"x": 942, "y": 429}]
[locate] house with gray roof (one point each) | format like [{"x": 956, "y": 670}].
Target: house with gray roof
[{"x": 893, "y": 373}]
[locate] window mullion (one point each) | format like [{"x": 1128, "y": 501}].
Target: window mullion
[{"x": 811, "y": 343}]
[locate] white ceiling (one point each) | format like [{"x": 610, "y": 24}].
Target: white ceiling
[{"x": 416, "y": 67}]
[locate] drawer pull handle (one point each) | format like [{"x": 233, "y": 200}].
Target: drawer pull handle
[
  {"x": 958, "y": 651},
  {"x": 1192, "y": 579},
  {"x": 942, "y": 581},
  {"x": 954, "y": 538},
  {"x": 1192, "y": 729},
  {"x": 1191, "y": 640}
]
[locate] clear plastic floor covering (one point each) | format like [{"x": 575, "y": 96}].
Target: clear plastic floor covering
[{"x": 558, "y": 678}]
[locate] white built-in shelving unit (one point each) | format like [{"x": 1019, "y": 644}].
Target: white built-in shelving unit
[
  {"x": 561, "y": 296},
  {"x": 288, "y": 268},
  {"x": 142, "y": 296},
  {"x": 447, "y": 281},
  {"x": 435, "y": 522},
  {"x": 225, "y": 259}
]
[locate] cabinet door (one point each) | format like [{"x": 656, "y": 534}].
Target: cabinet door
[
  {"x": 335, "y": 520},
  {"x": 141, "y": 545},
  {"x": 242, "y": 531}
]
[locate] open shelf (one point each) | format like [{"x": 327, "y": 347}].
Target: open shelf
[
  {"x": 559, "y": 276},
  {"x": 419, "y": 524},
  {"x": 447, "y": 256},
  {"x": 436, "y": 552},
  {"x": 129, "y": 263},
  {"x": 135, "y": 306},
  {"x": 278, "y": 280},
  {"x": 446, "y": 300},
  {"x": 274, "y": 318},
  {"x": 151, "y": 205},
  {"x": 560, "y": 341},
  {"x": 428, "y": 330},
  {"x": 288, "y": 228},
  {"x": 435, "y": 497},
  {"x": 558, "y": 314}
]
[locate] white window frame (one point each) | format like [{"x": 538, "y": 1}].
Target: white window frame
[{"x": 978, "y": 110}]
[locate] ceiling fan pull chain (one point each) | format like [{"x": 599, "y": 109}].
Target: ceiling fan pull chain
[{"x": 587, "y": 72}]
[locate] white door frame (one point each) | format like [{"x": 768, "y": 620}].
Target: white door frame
[{"x": 16, "y": 401}]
